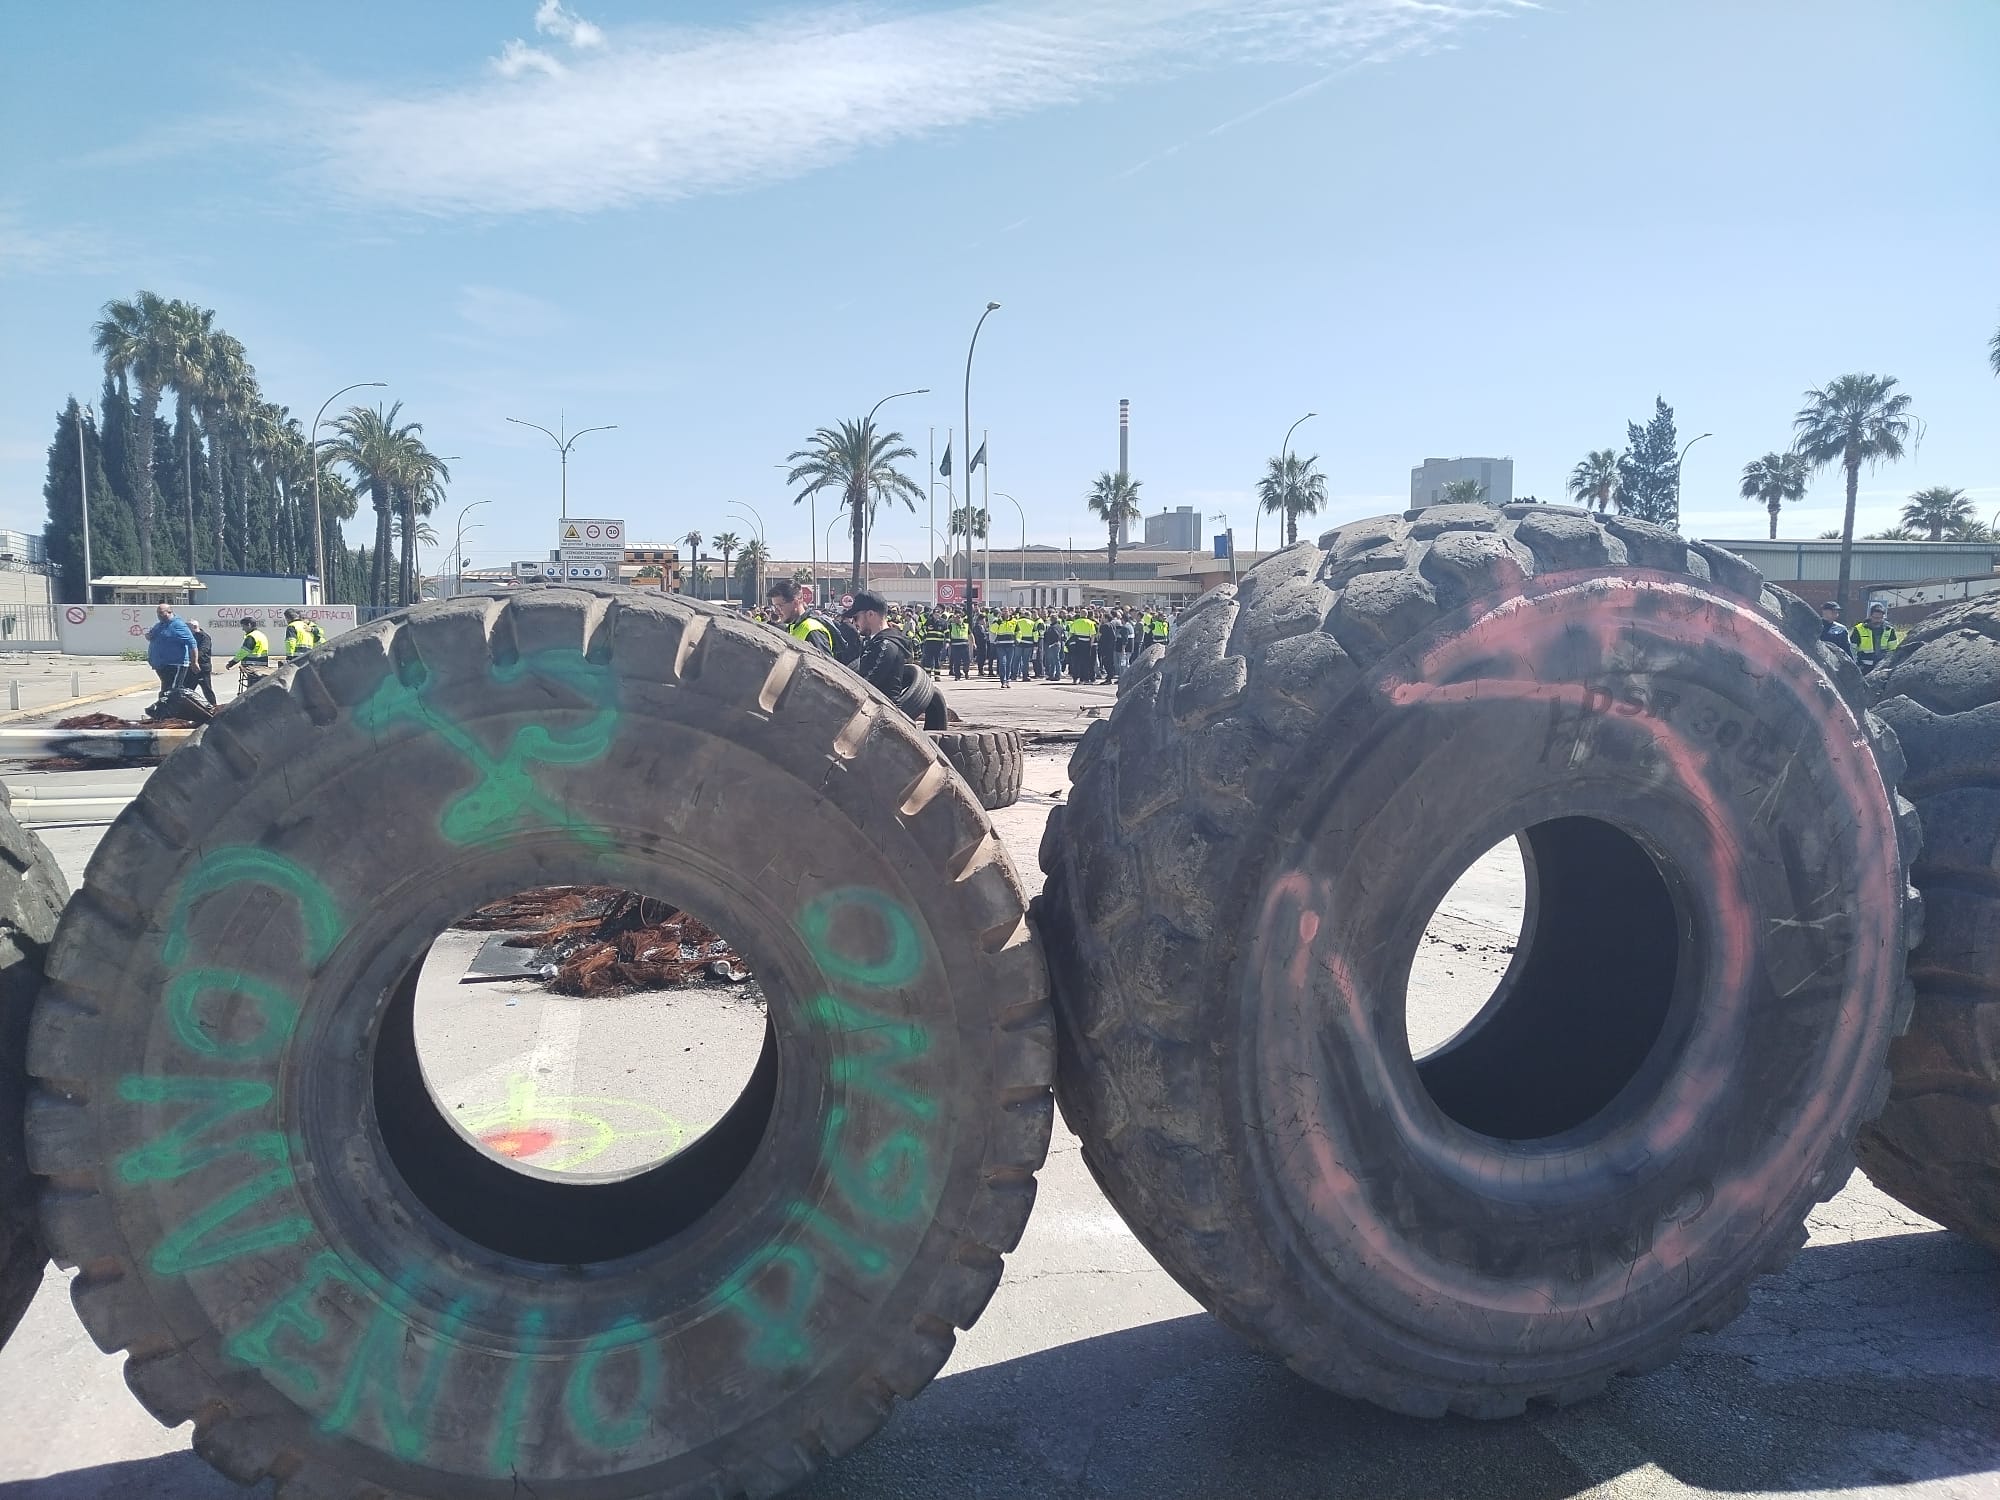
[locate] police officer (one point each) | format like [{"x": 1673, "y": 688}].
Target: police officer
[
  {"x": 1831, "y": 630},
  {"x": 301, "y": 634},
  {"x": 935, "y": 636},
  {"x": 790, "y": 612},
  {"x": 1874, "y": 639},
  {"x": 1082, "y": 647},
  {"x": 889, "y": 662},
  {"x": 253, "y": 657}
]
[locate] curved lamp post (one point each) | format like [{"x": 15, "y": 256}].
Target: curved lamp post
[
  {"x": 563, "y": 445},
  {"x": 319, "y": 527}
]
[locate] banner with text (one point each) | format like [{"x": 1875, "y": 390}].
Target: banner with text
[{"x": 114, "y": 629}]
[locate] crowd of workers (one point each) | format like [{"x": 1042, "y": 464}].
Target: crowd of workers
[
  {"x": 1870, "y": 643},
  {"x": 905, "y": 651}
]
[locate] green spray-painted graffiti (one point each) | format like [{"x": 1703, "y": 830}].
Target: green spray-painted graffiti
[
  {"x": 347, "y": 1344},
  {"x": 506, "y": 795},
  {"x": 886, "y": 1183}
]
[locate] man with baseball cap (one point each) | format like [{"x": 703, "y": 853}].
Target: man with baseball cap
[
  {"x": 890, "y": 662},
  {"x": 1831, "y": 630}
]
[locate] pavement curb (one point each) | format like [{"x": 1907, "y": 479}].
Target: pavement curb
[{"x": 16, "y": 714}]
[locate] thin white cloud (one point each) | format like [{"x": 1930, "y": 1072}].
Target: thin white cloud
[
  {"x": 661, "y": 115},
  {"x": 551, "y": 19},
  {"x": 517, "y": 57}
]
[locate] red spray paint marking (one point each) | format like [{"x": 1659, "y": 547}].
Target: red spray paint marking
[
  {"x": 518, "y": 1143},
  {"x": 1521, "y": 627}
]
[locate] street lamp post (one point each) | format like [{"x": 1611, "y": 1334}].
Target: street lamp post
[
  {"x": 83, "y": 495},
  {"x": 756, "y": 520},
  {"x": 319, "y": 527},
  {"x": 866, "y": 520},
  {"x": 1677, "y": 475},
  {"x": 563, "y": 445},
  {"x": 1021, "y": 564},
  {"x": 1284, "y": 452},
  {"x": 458, "y": 545},
  {"x": 991, "y": 308}
]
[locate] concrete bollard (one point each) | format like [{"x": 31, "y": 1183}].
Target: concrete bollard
[
  {"x": 13, "y": 695},
  {"x": 75, "y": 685}
]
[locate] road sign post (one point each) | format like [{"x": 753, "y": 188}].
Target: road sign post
[{"x": 589, "y": 550}]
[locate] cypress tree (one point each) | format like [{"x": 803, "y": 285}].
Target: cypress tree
[
  {"x": 1648, "y": 476},
  {"x": 114, "y": 535}
]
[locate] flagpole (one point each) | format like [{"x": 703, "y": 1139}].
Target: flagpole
[
  {"x": 930, "y": 489},
  {"x": 985, "y": 512}
]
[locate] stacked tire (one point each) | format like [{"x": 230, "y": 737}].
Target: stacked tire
[
  {"x": 300, "y": 1253},
  {"x": 1937, "y": 1144},
  {"x": 1671, "y": 1072},
  {"x": 990, "y": 760}
]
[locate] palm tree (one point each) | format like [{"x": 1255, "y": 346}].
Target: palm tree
[
  {"x": 1294, "y": 487},
  {"x": 1114, "y": 500},
  {"x": 185, "y": 333},
  {"x": 1595, "y": 480},
  {"x": 1937, "y": 510},
  {"x": 1850, "y": 421},
  {"x": 860, "y": 463},
  {"x": 699, "y": 577},
  {"x": 420, "y": 488},
  {"x": 727, "y": 543},
  {"x": 225, "y": 388},
  {"x": 1886, "y": 534},
  {"x": 128, "y": 339},
  {"x": 376, "y": 450},
  {"x": 749, "y": 570},
  {"x": 1462, "y": 492},
  {"x": 1993, "y": 352},
  {"x": 1775, "y": 480}
]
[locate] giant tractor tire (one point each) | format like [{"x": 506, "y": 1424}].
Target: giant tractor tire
[
  {"x": 32, "y": 893},
  {"x": 1669, "y": 1075},
  {"x": 303, "y": 1256},
  {"x": 1936, "y": 1145}
]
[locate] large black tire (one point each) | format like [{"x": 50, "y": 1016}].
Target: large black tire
[
  {"x": 1668, "y": 1077},
  {"x": 305, "y": 1259},
  {"x": 990, "y": 760},
  {"x": 1936, "y": 1145},
  {"x": 32, "y": 893}
]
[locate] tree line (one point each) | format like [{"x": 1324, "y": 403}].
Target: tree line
[
  {"x": 1851, "y": 422},
  {"x": 228, "y": 485}
]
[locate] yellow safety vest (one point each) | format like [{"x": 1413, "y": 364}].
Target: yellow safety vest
[
  {"x": 960, "y": 631},
  {"x": 1083, "y": 629},
  {"x": 1867, "y": 642},
  {"x": 812, "y": 632},
  {"x": 254, "y": 648},
  {"x": 301, "y": 636}
]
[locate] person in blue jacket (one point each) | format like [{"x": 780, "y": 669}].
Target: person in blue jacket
[{"x": 170, "y": 650}]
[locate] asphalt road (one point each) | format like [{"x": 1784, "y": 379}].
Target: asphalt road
[{"x": 1869, "y": 1368}]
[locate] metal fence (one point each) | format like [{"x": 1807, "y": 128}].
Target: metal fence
[{"x": 28, "y": 626}]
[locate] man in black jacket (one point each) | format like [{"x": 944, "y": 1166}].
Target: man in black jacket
[{"x": 889, "y": 662}]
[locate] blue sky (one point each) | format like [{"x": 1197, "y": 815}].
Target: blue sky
[{"x": 1449, "y": 227}]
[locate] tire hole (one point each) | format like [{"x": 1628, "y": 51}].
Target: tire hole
[
  {"x": 574, "y": 1074},
  {"x": 1585, "y": 1000}
]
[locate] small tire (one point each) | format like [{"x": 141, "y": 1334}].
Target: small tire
[
  {"x": 990, "y": 760},
  {"x": 1936, "y": 1145},
  {"x": 32, "y": 895},
  {"x": 306, "y": 1259},
  {"x": 1667, "y": 1078}
]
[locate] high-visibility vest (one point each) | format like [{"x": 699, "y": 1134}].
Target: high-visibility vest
[
  {"x": 1083, "y": 629},
  {"x": 1868, "y": 641},
  {"x": 960, "y": 631},
  {"x": 301, "y": 636},
  {"x": 254, "y": 648},
  {"x": 812, "y": 632},
  {"x": 1159, "y": 627}
]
